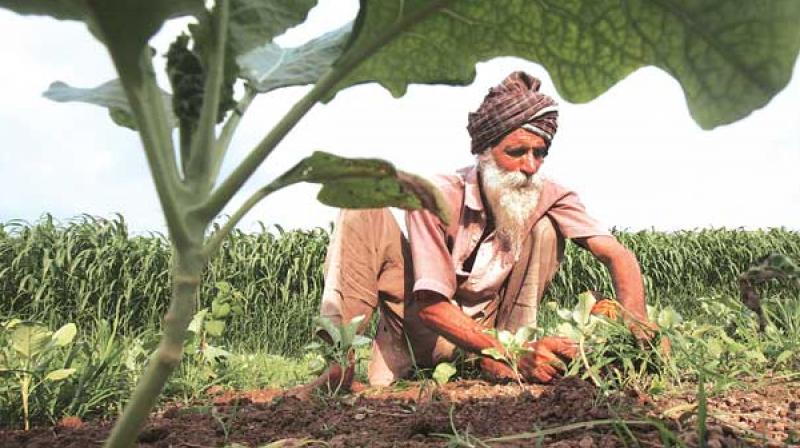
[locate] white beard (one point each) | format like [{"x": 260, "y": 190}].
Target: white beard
[{"x": 512, "y": 197}]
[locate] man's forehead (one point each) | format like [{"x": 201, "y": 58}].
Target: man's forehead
[{"x": 523, "y": 138}]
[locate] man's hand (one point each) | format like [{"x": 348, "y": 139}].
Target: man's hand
[
  {"x": 497, "y": 371},
  {"x": 642, "y": 330},
  {"x": 547, "y": 358}
]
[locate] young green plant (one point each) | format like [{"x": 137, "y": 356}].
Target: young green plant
[
  {"x": 515, "y": 346},
  {"x": 29, "y": 356},
  {"x": 344, "y": 340}
]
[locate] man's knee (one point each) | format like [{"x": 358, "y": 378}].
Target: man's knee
[{"x": 363, "y": 220}]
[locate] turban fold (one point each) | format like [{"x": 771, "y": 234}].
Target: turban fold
[{"x": 516, "y": 102}]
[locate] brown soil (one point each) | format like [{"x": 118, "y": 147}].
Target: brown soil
[{"x": 766, "y": 414}]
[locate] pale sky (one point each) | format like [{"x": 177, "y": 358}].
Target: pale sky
[{"x": 634, "y": 155}]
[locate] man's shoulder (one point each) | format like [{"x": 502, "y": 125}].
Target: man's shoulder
[
  {"x": 553, "y": 192},
  {"x": 454, "y": 183}
]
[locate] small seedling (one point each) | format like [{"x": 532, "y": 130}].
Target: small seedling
[
  {"x": 209, "y": 324},
  {"x": 515, "y": 346},
  {"x": 344, "y": 339}
]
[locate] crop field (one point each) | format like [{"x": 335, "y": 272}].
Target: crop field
[{"x": 81, "y": 305}]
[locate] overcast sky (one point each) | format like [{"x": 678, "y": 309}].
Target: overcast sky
[{"x": 634, "y": 155}]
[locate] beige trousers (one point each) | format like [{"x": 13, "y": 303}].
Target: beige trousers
[{"x": 369, "y": 266}]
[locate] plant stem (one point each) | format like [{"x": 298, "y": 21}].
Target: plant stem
[
  {"x": 26, "y": 381},
  {"x": 187, "y": 268},
  {"x": 148, "y": 108},
  {"x": 224, "y": 141},
  {"x": 216, "y": 240},
  {"x": 702, "y": 409},
  {"x": 585, "y": 360},
  {"x": 203, "y": 138},
  {"x": 573, "y": 427}
]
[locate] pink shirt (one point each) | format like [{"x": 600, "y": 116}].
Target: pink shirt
[{"x": 439, "y": 253}]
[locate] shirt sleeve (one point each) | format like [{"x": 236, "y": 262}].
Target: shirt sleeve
[
  {"x": 433, "y": 264},
  {"x": 569, "y": 214}
]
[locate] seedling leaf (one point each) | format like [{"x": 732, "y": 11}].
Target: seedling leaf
[
  {"x": 197, "y": 321},
  {"x": 60, "y": 374},
  {"x": 494, "y": 353},
  {"x": 524, "y": 334},
  {"x": 64, "y": 335},
  {"x": 220, "y": 308},
  {"x": 214, "y": 327},
  {"x": 443, "y": 372},
  {"x": 332, "y": 330},
  {"x": 583, "y": 311},
  {"x": 30, "y": 339},
  {"x": 668, "y": 318}
]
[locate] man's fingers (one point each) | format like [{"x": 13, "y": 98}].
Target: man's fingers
[
  {"x": 564, "y": 347},
  {"x": 545, "y": 373}
]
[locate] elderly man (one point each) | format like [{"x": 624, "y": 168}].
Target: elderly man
[{"x": 444, "y": 286}]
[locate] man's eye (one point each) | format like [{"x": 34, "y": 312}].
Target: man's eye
[
  {"x": 540, "y": 153},
  {"x": 516, "y": 152}
]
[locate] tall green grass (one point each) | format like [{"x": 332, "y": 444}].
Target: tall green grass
[{"x": 90, "y": 269}]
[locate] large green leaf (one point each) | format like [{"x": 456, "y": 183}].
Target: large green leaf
[
  {"x": 364, "y": 183},
  {"x": 731, "y": 57},
  {"x": 271, "y": 66},
  {"x": 110, "y": 95},
  {"x": 254, "y": 23},
  {"x": 60, "y": 9},
  {"x": 30, "y": 339},
  {"x": 125, "y": 26}
]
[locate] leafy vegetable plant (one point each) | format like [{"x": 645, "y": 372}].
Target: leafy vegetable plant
[
  {"x": 27, "y": 356},
  {"x": 395, "y": 43}
]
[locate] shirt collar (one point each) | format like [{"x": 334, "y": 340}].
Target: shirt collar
[{"x": 472, "y": 191}]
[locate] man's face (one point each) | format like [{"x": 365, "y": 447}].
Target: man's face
[{"x": 520, "y": 151}]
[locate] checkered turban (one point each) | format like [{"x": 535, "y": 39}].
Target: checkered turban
[{"x": 515, "y": 103}]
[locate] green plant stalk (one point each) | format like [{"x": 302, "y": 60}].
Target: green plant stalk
[
  {"x": 585, "y": 360},
  {"x": 580, "y": 425},
  {"x": 226, "y": 135},
  {"x": 24, "y": 390},
  {"x": 147, "y": 106},
  {"x": 702, "y": 409},
  {"x": 203, "y": 139},
  {"x": 186, "y": 282}
]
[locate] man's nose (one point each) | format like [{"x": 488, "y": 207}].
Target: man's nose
[{"x": 529, "y": 165}]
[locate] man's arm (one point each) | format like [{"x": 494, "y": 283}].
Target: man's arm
[
  {"x": 540, "y": 364},
  {"x": 440, "y": 315},
  {"x": 625, "y": 273}
]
